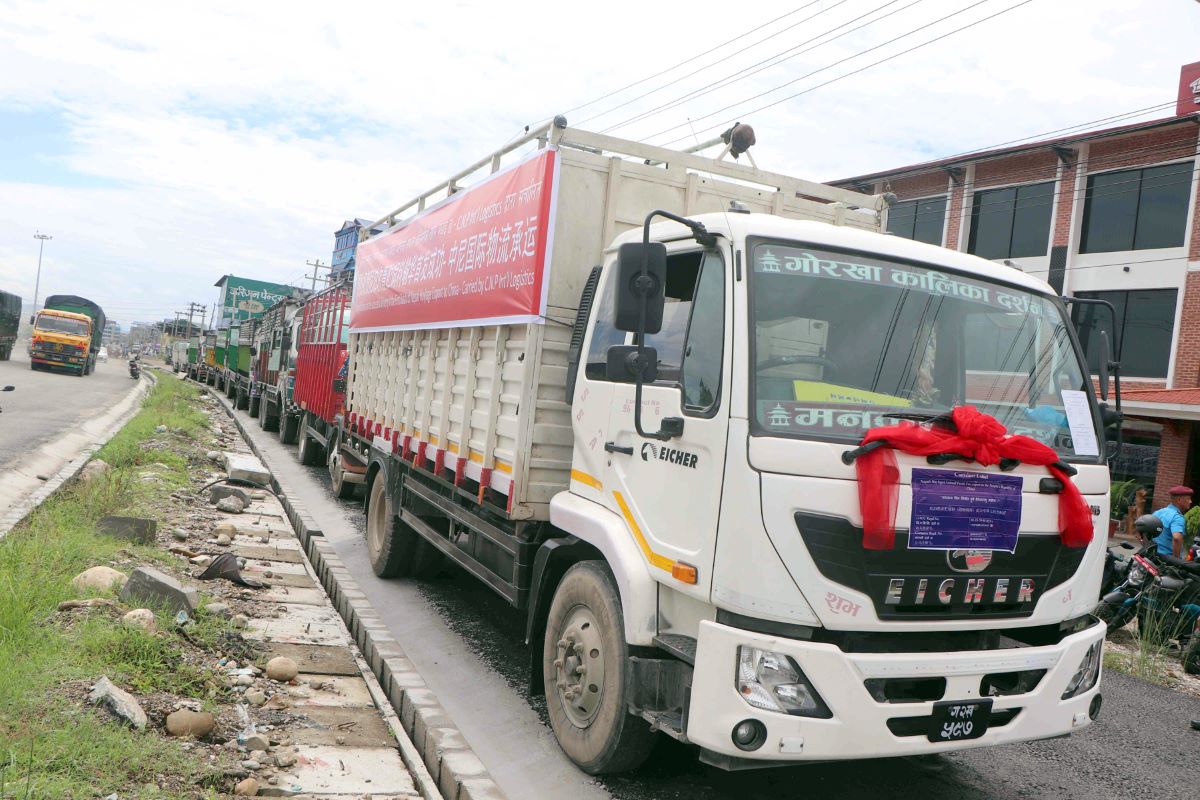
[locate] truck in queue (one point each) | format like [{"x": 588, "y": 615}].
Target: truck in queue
[
  {"x": 758, "y": 476},
  {"x": 319, "y": 390},
  {"x": 67, "y": 334},
  {"x": 10, "y": 322},
  {"x": 275, "y": 366},
  {"x": 239, "y": 348}
]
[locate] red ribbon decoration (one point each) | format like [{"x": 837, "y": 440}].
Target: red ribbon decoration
[{"x": 978, "y": 436}]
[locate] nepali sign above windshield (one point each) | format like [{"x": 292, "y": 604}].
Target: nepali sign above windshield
[{"x": 480, "y": 257}]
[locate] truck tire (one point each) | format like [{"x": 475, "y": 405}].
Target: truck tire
[
  {"x": 241, "y": 397},
  {"x": 6, "y": 352},
  {"x": 343, "y": 489},
  {"x": 308, "y": 449},
  {"x": 589, "y": 710},
  {"x": 255, "y": 407},
  {"x": 394, "y": 548},
  {"x": 287, "y": 427}
]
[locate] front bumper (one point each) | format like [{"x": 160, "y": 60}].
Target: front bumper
[{"x": 859, "y": 726}]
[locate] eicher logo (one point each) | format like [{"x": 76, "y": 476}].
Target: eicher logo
[
  {"x": 968, "y": 560},
  {"x": 652, "y": 451}
]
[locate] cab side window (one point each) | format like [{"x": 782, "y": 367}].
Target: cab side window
[{"x": 705, "y": 339}]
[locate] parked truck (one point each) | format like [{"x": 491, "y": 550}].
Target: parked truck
[
  {"x": 684, "y": 415},
  {"x": 67, "y": 333},
  {"x": 275, "y": 367},
  {"x": 10, "y": 322},
  {"x": 238, "y": 351},
  {"x": 319, "y": 391}
]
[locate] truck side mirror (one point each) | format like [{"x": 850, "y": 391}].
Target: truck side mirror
[
  {"x": 634, "y": 288},
  {"x": 1105, "y": 356},
  {"x": 622, "y": 365}
]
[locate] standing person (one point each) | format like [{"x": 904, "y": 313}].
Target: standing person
[{"x": 1170, "y": 541}]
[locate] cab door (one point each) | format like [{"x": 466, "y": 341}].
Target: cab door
[{"x": 669, "y": 492}]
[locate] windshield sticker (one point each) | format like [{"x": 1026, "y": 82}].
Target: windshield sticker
[
  {"x": 820, "y": 392},
  {"x": 816, "y": 419},
  {"x": 791, "y": 261},
  {"x": 954, "y": 510},
  {"x": 1079, "y": 419}
]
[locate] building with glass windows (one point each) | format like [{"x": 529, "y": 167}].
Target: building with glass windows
[
  {"x": 345, "y": 244},
  {"x": 1107, "y": 214}
]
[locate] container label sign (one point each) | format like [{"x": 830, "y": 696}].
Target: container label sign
[
  {"x": 480, "y": 257},
  {"x": 972, "y": 510}
]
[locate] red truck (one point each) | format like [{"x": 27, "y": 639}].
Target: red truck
[{"x": 320, "y": 385}]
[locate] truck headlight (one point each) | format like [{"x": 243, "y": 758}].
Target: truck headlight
[
  {"x": 774, "y": 682},
  {"x": 1088, "y": 673}
]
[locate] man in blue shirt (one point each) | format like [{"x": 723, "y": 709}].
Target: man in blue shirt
[{"x": 1170, "y": 541}]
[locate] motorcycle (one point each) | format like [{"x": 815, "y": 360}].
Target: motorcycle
[
  {"x": 135, "y": 369},
  {"x": 1116, "y": 566},
  {"x": 1163, "y": 593}
]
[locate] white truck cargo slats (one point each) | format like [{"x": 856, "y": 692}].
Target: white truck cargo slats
[{"x": 490, "y": 400}]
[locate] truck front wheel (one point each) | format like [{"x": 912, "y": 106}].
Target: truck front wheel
[
  {"x": 395, "y": 549},
  {"x": 583, "y": 666},
  {"x": 309, "y": 449},
  {"x": 288, "y": 425}
]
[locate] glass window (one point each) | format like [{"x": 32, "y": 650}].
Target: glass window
[
  {"x": 705, "y": 339},
  {"x": 920, "y": 220},
  {"x": 1136, "y": 209},
  {"x": 1011, "y": 223},
  {"x": 1145, "y": 320},
  {"x": 52, "y": 324},
  {"x": 604, "y": 333},
  {"x": 842, "y": 339}
]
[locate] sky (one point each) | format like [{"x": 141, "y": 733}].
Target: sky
[{"x": 164, "y": 145}]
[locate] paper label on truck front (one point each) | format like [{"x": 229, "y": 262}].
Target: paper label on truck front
[
  {"x": 959, "y": 509},
  {"x": 480, "y": 257}
]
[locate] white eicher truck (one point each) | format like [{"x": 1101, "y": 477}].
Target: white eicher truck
[{"x": 625, "y": 387}]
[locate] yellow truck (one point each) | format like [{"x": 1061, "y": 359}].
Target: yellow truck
[{"x": 61, "y": 339}]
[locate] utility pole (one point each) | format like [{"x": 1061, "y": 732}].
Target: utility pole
[
  {"x": 41, "y": 237},
  {"x": 192, "y": 309},
  {"x": 317, "y": 265}
]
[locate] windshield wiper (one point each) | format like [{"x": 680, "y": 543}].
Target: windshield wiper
[{"x": 921, "y": 416}]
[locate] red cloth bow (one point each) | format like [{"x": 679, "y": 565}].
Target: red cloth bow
[{"x": 978, "y": 436}]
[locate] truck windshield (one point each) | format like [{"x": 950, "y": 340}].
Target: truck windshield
[
  {"x": 51, "y": 324},
  {"x": 841, "y": 339}
]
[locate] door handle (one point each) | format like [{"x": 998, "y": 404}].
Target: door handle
[{"x": 613, "y": 447}]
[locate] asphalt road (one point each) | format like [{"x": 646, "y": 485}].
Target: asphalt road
[
  {"x": 45, "y": 404},
  {"x": 467, "y": 643}
]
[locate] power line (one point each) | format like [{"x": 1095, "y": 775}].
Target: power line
[
  {"x": 852, "y": 72},
  {"x": 774, "y": 60},
  {"x": 686, "y": 60},
  {"x": 719, "y": 61}
]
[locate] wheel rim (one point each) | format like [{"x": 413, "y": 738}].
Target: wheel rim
[
  {"x": 378, "y": 514},
  {"x": 579, "y": 666},
  {"x": 335, "y": 473}
]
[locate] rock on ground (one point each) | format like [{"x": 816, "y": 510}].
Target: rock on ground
[
  {"x": 99, "y": 578},
  {"x": 255, "y": 741},
  {"x": 220, "y": 492},
  {"x": 184, "y": 722},
  {"x": 230, "y": 505},
  {"x": 246, "y": 468},
  {"x": 247, "y": 788},
  {"x": 94, "y": 469},
  {"x": 119, "y": 701},
  {"x": 157, "y": 588},
  {"x": 140, "y": 618},
  {"x": 282, "y": 669}
]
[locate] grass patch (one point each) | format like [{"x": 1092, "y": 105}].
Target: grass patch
[{"x": 50, "y": 746}]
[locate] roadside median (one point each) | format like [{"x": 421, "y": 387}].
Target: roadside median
[{"x": 128, "y": 671}]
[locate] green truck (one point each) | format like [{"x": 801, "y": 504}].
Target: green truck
[
  {"x": 67, "y": 333},
  {"x": 10, "y": 321},
  {"x": 239, "y": 354}
]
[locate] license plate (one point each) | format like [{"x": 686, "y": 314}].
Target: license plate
[{"x": 956, "y": 721}]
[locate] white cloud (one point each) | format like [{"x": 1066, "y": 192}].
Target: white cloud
[{"x": 235, "y": 137}]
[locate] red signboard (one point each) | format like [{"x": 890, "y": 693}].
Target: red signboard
[
  {"x": 480, "y": 257},
  {"x": 1189, "y": 89}
]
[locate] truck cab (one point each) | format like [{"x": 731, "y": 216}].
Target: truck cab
[
  {"x": 61, "y": 339},
  {"x": 732, "y": 514}
]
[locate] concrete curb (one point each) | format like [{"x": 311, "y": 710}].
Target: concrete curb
[
  {"x": 438, "y": 743},
  {"x": 20, "y": 511}
]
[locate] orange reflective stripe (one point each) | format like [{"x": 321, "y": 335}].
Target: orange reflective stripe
[
  {"x": 587, "y": 480},
  {"x": 662, "y": 562}
]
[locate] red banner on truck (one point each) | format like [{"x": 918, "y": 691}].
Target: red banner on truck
[{"x": 480, "y": 257}]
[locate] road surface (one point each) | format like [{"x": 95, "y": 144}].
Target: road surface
[
  {"x": 47, "y": 404},
  {"x": 467, "y": 644}
]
